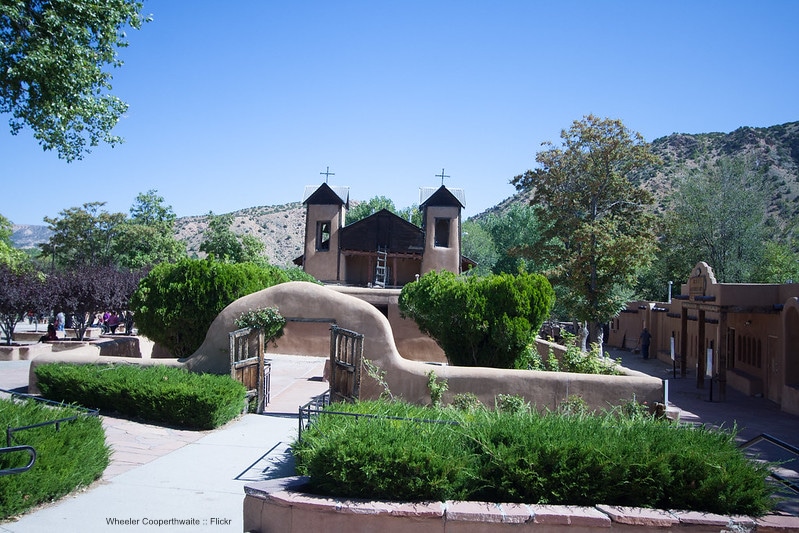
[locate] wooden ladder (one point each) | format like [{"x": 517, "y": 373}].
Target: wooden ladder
[{"x": 380, "y": 269}]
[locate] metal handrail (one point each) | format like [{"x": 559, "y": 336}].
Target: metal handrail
[
  {"x": 312, "y": 408},
  {"x": 794, "y": 486},
  {"x": 23, "y": 448},
  {"x": 57, "y": 422}
]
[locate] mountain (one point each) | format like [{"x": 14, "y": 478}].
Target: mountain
[
  {"x": 280, "y": 227},
  {"x": 774, "y": 151}
]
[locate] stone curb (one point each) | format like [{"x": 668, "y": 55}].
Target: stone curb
[{"x": 272, "y": 505}]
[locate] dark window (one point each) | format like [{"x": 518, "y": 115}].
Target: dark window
[
  {"x": 442, "y": 232},
  {"x": 323, "y": 236}
]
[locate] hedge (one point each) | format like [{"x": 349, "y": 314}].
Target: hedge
[
  {"x": 72, "y": 456},
  {"x": 157, "y": 394},
  {"x": 615, "y": 458}
]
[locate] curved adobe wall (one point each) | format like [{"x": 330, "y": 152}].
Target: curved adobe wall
[{"x": 407, "y": 379}]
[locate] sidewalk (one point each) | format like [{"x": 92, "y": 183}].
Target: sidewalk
[{"x": 164, "y": 479}]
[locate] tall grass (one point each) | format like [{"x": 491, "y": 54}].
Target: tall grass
[{"x": 527, "y": 457}]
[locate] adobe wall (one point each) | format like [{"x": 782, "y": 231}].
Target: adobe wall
[{"x": 408, "y": 379}]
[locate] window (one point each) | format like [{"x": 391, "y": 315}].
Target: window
[
  {"x": 323, "y": 236},
  {"x": 442, "y": 232}
]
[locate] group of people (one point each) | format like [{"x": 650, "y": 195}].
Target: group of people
[{"x": 108, "y": 321}]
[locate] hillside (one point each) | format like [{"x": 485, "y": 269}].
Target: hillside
[{"x": 773, "y": 150}]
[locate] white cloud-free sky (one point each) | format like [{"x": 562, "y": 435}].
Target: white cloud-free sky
[{"x": 237, "y": 103}]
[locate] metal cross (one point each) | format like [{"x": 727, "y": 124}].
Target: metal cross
[
  {"x": 327, "y": 173},
  {"x": 442, "y": 176}
]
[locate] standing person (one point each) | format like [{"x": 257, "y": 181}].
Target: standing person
[
  {"x": 60, "y": 319},
  {"x": 644, "y": 340}
]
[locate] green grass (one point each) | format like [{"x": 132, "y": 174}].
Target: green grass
[
  {"x": 73, "y": 456},
  {"x": 526, "y": 457},
  {"x": 156, "y": 394}
]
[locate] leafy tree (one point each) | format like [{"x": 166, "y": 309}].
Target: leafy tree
[
  {"x": 82, "y": 236},
  {"x": 478, "y": 246},
  {"x": 378, "y": 203},
  {"x": 718, "y": 216},
  {"x": 220, "y": 243},
  {"x": 147, "y": 237},
  {"x": 175, "y": 304},
  {"x": 370, "y": 207},
  {"x": 53, "y": 75},
  {"x": 9, "y": 255},
  {"x": 517, "y": 236},
  {"x": 778, "y": 264},
  {"x": 21, "y": 290},
  {"x": 598, "y": 226},
  {"x": 85, "y": 291},
  {"x": 480, "y": 321}
]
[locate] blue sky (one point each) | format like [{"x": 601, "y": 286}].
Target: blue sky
[{"x": 242, "y": 103}]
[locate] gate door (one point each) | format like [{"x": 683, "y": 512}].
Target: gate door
[
  {"x": 247, "y": 364},
  {"x": 346, "y": 356}
]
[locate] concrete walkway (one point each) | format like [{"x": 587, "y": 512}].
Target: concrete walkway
[
  {"x": 165, "y": 479},
  {"x": 168, "y": 479}
]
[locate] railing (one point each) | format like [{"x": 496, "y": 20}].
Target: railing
[
  {"x": 10, "y": 431},
  {"x": 23, "y": 448},
  {"x": 312, "y": 409},
  {"x": 793, "y": 485}
]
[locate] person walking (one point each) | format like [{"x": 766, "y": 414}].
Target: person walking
[{"x": 644, "y": 341}]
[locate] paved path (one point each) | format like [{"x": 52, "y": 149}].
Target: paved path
[{"x": 164, "y": 479}]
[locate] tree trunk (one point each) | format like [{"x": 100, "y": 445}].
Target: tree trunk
[
  {"x": 581, "y": 328},
  {"x": 598, "y": 334}
]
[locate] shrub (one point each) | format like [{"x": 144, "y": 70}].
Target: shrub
[
  {"x": 480, "y": 321},
  {"x": 157, "y": 394},
  {"x": 529, "y": 457},
  {"x": 176, "y": 303},
  {"x": 73, "y": 456},
  {"x": 267, "y": 319}
]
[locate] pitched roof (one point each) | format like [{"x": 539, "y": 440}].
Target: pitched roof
[
  {"x": 441, "y": 196},
  {"x": 325, "y": 194}
]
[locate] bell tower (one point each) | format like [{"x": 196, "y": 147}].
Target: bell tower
[
  {"x": 441, "y": 222},
  {"x": 325, "y": 212}
]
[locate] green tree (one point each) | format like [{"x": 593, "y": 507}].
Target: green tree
[
  {"x": 82, "y": 236},
  {"x": 10, "y": 255},
  {"x": 175, "y": 304},
  {"x": 718, "y": 216},
  {"x": 54, "y": 79},
  {"x": 517, "y": 235},
  {"x": 220, "y": 243},
  {"x": 147, "y": 237},
  {"x": 478, "y": 246},
  {"x": 378, "y": 203},
  {"x": 598, "y": 225},
  {"x": 370, "y": 207},
  {"x": 779, "y": 263},
  {"x": 480, "y": 320}
]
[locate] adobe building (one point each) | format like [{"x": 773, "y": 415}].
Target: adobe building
[
  {"x": 373, "y": 258},
  {"x": 381, "y": 250},
  {"x": 745, "y": 336}
]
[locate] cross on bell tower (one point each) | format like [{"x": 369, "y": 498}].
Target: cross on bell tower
[
  {"x": 327, "y": 173},
  {"x": 442, "y": 176}
]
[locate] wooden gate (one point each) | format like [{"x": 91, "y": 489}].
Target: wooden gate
[
  {"x": 346, "y": 358},
  {"x": 247, "y": 364}
]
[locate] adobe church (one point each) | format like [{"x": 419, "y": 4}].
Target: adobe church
[{"x": 381, "y": 250}]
